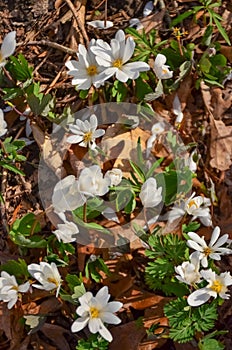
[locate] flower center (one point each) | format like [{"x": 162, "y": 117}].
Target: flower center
[
  {"x": 94, "y": 313},
  {"x": 118, "y": 63},
  {"x": 1, "y": 58},
  {"x": 53, "y": 280},
  {"x": 192, "y": 203},
  {"x": 88, "y": 136},
  {"x": 164, "y": 71},
  {"x": 91, "y": 70},
  {"x": 15, "y": 288},
  {"x": 207, "y": 251},
  {"x": 217, "y": 286}
]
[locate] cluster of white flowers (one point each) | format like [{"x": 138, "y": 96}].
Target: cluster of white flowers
[
  {"x": 46, "y": 274},
  {"x": 189, "y": 272},
  {"x": 197, "y": 206},
  {"x": 101, "y": 60},
  {"x": 71, "y": 193}
]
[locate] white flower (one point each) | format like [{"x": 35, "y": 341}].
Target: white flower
[
  {"x": 192, "y": 160},
  {"x": 115, "y": 176},
  {"x": 150, "y": 195},
  {"x": 156, "y": 130},
  {"x": 213, "y": 250},
  {"x": 3, "y": 125},
  {"x": 177, "y": 110},
  {"x": 66, "y": 195},
  {"x": 9, "y": 289},
  {"x": 148, "y": 8},
  {"x": 86, "y": 71},
  {"x": 188, "y": 272},
  {"x": 92, "y": 183},
  {"x": 85, "y": 132},
  {"x": 47, "y": 275},
  {"x": 135, "y": 23},
  {"x": 114, "y": 57},
  {"x": 217, "y": 286},
  {"x": 7, "y": 48},
  {"x": 161, "y": 70},
  {"x": 95, "y": 311},
  {"x": 198, "y": 207},
  {"x": 67, "y": 231},
  {"x": 101, "y": 24}
]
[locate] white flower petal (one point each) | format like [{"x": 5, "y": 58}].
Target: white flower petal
[
  {"x": 198, "y": 297},
  {"x": 8, "y": 45},
  {"x": 79, "y": 324},
  {"x": 101, "y": 24},
  {"x": 105, "y": 333}
]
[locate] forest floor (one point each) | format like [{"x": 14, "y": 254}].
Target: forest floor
[{"x": 40, "y": 25}]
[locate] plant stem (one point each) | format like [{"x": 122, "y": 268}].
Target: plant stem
[{"x": 84, "y": 212}]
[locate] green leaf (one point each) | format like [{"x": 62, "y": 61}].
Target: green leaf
[
  {"x": 79, "y": 291},
  {"x": 137, "y": 171},
  {"x": 91, "y": 225},
  {"x": 27, "y": 225},
  {"x": 123, "y": 200},
  {"x": 12, "y": 168},
  {"x": 16, "y": 268},
  {"x": 83, "y": 94},
  {"x": 38, "y": 104},
  {"x": 11, "y": 93},
  {"x": 33, "y": 242},
  {"x": 142, "y": 88},
  {"x": 73, "y": 281},
  {"x": 154, "y": 95},
  {"x": 206, "y": 39},
  {"x": 210, "y": 344},
  {"x": 154, "y": 166},
  {"x": 181, "y": 17},
  {"x": 19, "y": 68},
  {"x": 222, "y": 31}
]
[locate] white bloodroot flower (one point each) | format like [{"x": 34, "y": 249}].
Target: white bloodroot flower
[
  {"x": 198, "y": 207},
  {"x": 156, "y": 130},
  {"x": 188, "y": 272},
  {"x": 95, "y": 311},
  {"x": 217, "y": 286},
  {"x": 148, "y": 8},
  {"x": 3, "y": 125},
  {"x": 92, "y": 183},
  {"x": 177, "y": 110},
  {"x": 85, "y": 132},
  {"x": 213, "y": 250},
  {"x": 86, "y": 71},
  {"x": 161, "y": 70},
  {"x": 47, "y": 275},
  {"x": 9, "y": 289},
  {"x": 114, "y": 58},
  {"x": 7, "y": 48},
  {"x": 66, "y": 195},
  {"x": 115, "y": 176},
  {"x": 150, "y": 195},
  {"x": 100, "y": 24},
  {"x": 66, "y": 232}
]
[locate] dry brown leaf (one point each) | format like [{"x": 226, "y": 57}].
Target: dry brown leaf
[
  {"x": 220, "y": 145},
  {"x": 56, "y": 334},
  {"x": 127, "y": 336},
  {"x": 153, "y": 21}
]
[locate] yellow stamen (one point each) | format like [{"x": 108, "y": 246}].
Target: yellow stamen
[
  {"x": 94, "y": 313},
  {"x": 207, "y": 251},
  {"x": 193, "y": 203},
  {"x": 53, "y": 280},
  {"x": 164, "y": 71},
  {"x": 1, "y": 58},
  {"x": 15, "y": 288},
  {"x": 118, "y": 63},
  {"x": 88, "y": 136},
  {"x": 92, "y": 70},
  {"x": 217, "y": 286}
]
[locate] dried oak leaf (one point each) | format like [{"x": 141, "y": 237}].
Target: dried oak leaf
[{"x": 221, "y": 144}]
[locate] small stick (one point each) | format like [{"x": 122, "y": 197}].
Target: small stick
[
  {"x": 50, "y": 44},
  {"x": 105, "y": 19},
  {"x": 79, "y": 23}
]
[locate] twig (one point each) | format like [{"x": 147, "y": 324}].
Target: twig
[
  {"x": 50, "y": 44},
  {"x": 105, "y": 19},
  {"x": 79, "y": 23}
]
